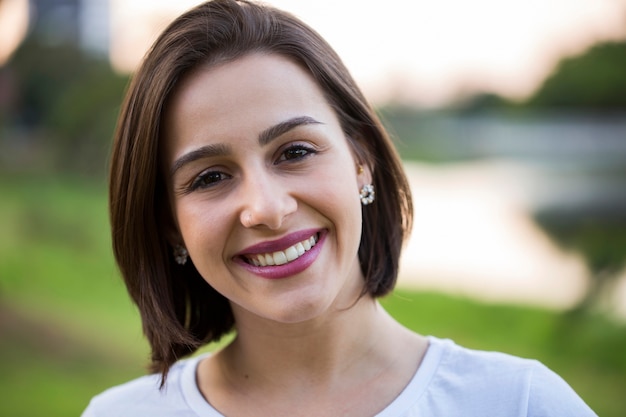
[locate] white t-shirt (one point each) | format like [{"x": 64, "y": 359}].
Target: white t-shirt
[{"x": 451, "y": 381}]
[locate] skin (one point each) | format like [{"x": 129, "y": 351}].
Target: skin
[{"x": 306, "y": 344}]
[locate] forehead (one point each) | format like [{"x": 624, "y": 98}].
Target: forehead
[
  {"x": 242, "y": 97},
  {"x": 244, "y": 79}
]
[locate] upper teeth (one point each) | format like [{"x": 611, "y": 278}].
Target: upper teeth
[{"x": 281, "y": 257}]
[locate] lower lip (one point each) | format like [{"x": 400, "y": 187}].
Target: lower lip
[{"x": 290, "y": 268}]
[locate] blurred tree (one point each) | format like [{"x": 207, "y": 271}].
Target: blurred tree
[
  {"x": 596, "y": 231},
  {"x": 69, "y": 99},
  {"x": 593, "y": 80},
  {"x": 44, "y": 72}
]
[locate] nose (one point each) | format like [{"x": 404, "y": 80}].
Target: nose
[{"x": 266, "y": 201}]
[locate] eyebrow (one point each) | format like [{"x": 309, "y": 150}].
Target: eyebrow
[
  {"x": 265, "y": 137},
  {"x": 200, "y": 153},
  {"x": 283, "y": 127}
]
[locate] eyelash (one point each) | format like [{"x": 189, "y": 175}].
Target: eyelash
[
  {"x": 297, "y": 148},
  {"x": 204, "y": 180},
  {"x": 208, "y": 179}
]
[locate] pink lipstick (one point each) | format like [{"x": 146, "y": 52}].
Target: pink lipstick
[{"x": 283, "y": 257}]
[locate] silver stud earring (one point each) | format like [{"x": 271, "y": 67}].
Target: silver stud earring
[
  {"x": 367, "y": 194},
  {"x": 180, "y": 254}
]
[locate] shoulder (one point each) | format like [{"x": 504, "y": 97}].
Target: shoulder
[
  {"x": 550, "y": 395},
  {"x": 144, "y": 397},
  {"x": 468, "y": 373},
  {"x": 456, "y": 359},
  {"x": 502, "y": 384}
]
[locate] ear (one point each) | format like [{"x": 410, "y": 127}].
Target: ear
[
  {"x": 364, "y": 174},
  {"x": 363, "y": 162}
]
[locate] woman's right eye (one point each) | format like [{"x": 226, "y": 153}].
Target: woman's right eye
[{"x": 208, "y": 179}]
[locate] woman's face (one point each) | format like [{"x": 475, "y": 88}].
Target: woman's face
[{"x": 265, "y": 189}]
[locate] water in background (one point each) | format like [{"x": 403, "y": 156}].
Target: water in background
[{"x": 484, "y": 185}]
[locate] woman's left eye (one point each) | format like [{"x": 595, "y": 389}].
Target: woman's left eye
[{"x": 295, "y": 152}]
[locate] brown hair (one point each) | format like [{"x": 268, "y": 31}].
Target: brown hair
[{"x": 179, "y": 310}]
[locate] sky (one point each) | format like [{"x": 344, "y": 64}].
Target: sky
[{"x": 422, "y": 52}]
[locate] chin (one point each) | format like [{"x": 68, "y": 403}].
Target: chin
[{"x": 300, "y": 310}]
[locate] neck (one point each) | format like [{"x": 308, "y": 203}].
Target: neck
[
  {"x": 316, "y": 350},
  {"x": 351, "y": 361}
]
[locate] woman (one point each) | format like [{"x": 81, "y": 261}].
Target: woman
[{"x": 254, "y": 189}]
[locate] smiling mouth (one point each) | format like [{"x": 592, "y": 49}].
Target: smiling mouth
[{"x": 282, "y": 257}]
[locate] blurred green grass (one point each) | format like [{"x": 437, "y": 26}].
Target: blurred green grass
[{"x": 68, "y": 330}]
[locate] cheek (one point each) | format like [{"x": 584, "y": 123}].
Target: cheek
[
  {"x": 338, "y": 200},
  {"x": 205, "y": 236},
  {"x": 201, "y": 226}
]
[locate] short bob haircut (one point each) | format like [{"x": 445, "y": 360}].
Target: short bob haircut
[{"x": 179, "y": 310}]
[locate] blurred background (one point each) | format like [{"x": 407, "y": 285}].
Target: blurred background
[{"x": 510, "y": 116}]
